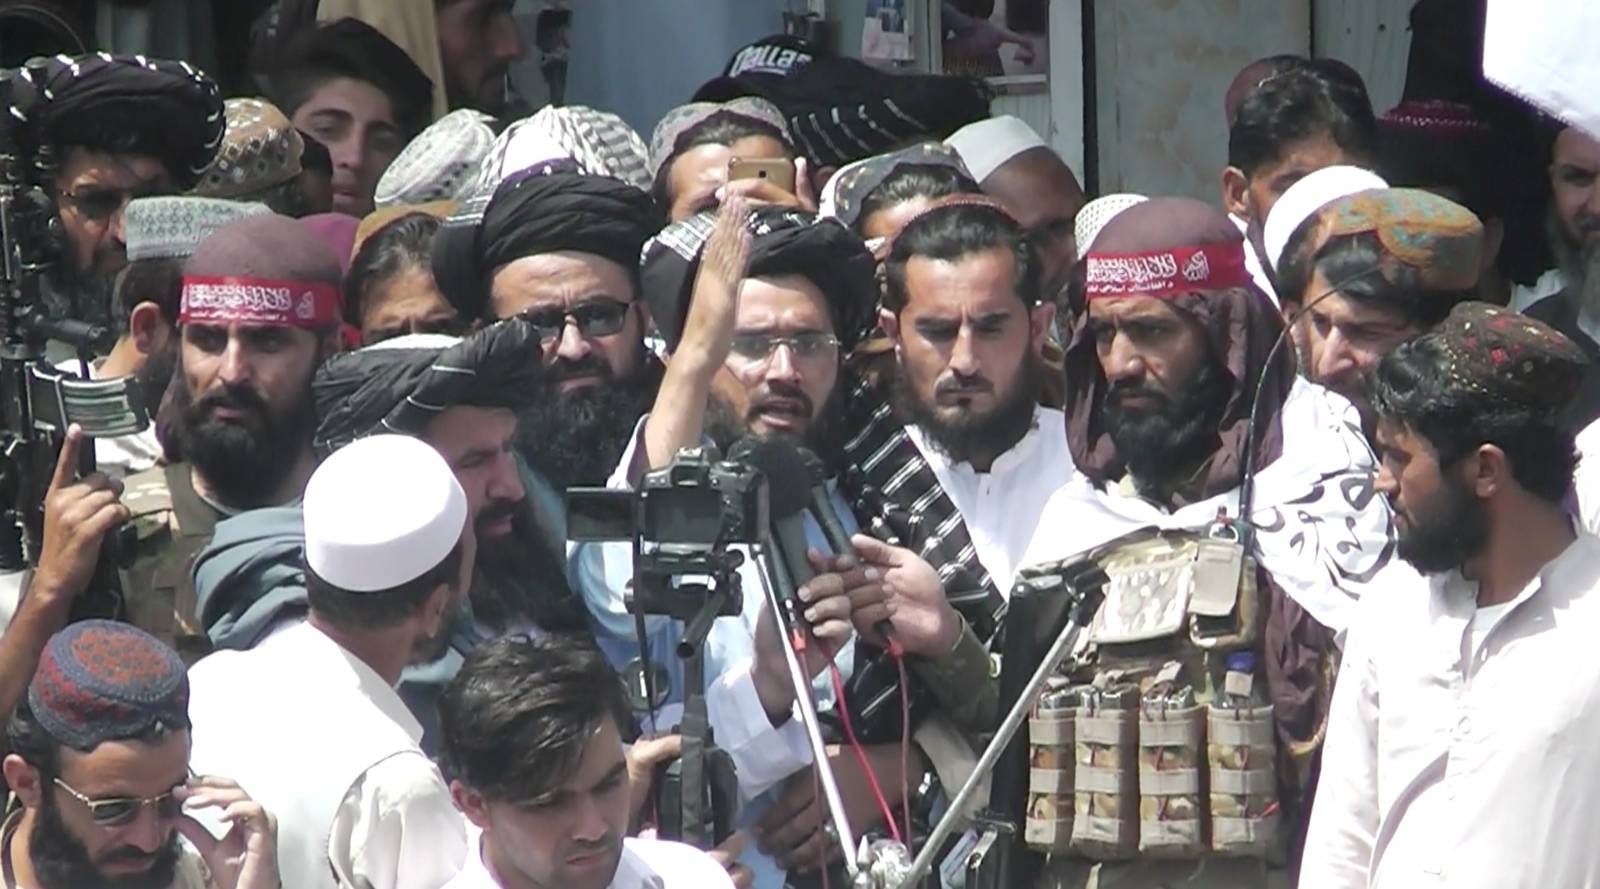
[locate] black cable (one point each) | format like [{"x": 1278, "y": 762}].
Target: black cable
[{"x": 1247, "y": 485}]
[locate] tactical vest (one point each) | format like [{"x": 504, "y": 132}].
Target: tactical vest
[
  {"x": 1153, "y": 747},
  {"x": 171, "y": 525}
]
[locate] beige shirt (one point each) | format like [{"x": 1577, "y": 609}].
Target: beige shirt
[{"x": 1460, "y": 756}]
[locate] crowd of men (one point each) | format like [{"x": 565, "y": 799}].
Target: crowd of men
[{"x": 1320, "y": 432}]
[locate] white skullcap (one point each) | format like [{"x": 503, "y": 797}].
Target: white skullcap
[
  {"x": 380, "y": 512},
  {"x": 1094, "y": 216},
  {"x": 1304, "y": 198},
  {"x": 987, "y": 144}
]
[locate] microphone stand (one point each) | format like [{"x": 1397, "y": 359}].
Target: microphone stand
[
  {"x": 1089, "y": 585},
  {"x": 808, "y": 709}
]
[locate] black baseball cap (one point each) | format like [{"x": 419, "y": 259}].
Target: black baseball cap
[{"x": 758, "y": 68}]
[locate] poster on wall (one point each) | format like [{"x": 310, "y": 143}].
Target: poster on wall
[
  {"x": 886, "y": 34},
  {"x": 1006, "y": 42}
]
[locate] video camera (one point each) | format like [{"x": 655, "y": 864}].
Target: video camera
[{"x": 681, "y": 522}]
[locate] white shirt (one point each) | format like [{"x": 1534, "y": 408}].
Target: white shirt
[
  {"x": 394, "y": 826},
  {"x": 1465, "y": 765},
  {"x": 1586, "y": 478},
  {"x": 1002, "y": 508},
  {"x": 645, "y": 864},
  {"x": 1550, "y": 283}
]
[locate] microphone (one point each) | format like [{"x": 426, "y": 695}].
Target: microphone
[
  {"x": 822, "y": 505},
  {"x": 833, "y": 529},
  {"x": 788, "y": 498}
]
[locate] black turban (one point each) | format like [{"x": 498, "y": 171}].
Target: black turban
[
  {"x": 121, "y": 105},
  {"x": 400, "y": 385},
  {"x": 784, "y": 242},
  {"x": 539, "y": 213}
]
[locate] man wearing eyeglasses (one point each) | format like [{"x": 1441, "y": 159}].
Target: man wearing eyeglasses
[
  {"x": 561, "y": 249},
  {"x": 117, "y": 128},
  {"x": 101, "y": 784},
  {"x": 756, "y": 308}
]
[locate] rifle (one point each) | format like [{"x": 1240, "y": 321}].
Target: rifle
[{"x": 37, "y": 401}]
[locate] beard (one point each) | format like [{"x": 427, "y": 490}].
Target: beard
[
  {"x": 1174, "y": 433},
  {"x": 1445, "y": 533},
  {"x": 60, "y": 861},
  {"x": 1579, "y": 262},
  {"x": 823, "y": 435},
  {"x": 577, "y": 438},
  {"x": 246, "y": 462},
  {"x": 521, "y": 581},
  {"x": 964, "y": 434},
  {"x": 83, "y": 294}
]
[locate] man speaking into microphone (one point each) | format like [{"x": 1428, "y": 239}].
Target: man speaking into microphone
[{"x": 757, "y": 308}]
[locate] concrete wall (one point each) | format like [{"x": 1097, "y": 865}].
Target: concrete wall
[{"x": 1161, "y": 69}]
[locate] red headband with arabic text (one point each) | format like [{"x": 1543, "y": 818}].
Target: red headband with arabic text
[
  {"x": 265, "y": 302},
  {"x": 1166, "y": 273}
]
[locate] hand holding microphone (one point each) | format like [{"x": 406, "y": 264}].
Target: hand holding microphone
[{"x": 899, "y": 591}]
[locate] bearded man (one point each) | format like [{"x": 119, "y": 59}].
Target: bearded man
[
  {"x": 1573, "y": 308},
  {"x": 462, "y": 398},
  {"x": 259, "y": 312},
  {"x": 965, "y": 308},
  {"x": 1447, "y": 746},
  {"x": 560, "y": 248},
  {"x": 1181, "y": 390},
  {"x": 119, "y": 127}
]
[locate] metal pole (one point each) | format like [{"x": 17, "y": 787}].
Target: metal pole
[
  {"x": 1064, "y": 645},
  {"x": 808, "y": 718}
]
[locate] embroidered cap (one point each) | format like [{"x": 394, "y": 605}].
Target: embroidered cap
[{"x": 100, "y": 680}]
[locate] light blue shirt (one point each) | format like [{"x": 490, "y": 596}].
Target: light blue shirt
[{"x": 763, "y": 754}]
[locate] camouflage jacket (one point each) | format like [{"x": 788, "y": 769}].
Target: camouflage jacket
[{"x": 172, "y": 523}]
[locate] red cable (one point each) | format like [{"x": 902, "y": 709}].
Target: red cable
[{"x": 861, "y": 754}]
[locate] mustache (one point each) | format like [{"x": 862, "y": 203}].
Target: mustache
[
  {"x": 564, "y": 369},
  {"x": 237, "y": 397},
  {"x": 497, "y": 510},
  {"x": 958, "y": 385},
  {"x": 1120, "y": 391},
  {"x": 1587, "y": 223},
  {"x": 784, "y": 392},
  {"x": 131, "y": 854}
]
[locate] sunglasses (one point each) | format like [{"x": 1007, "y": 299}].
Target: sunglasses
[
  {"x": 760, "y": 347},
  {"x": 101, "y": 203},
  {"x": 117, "y": 811},
  {"x": 600, "y": 317}
]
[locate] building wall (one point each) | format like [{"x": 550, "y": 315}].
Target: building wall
[
  {"x": 1161, "y": 69},
  {"x": 641, "y": 58}
]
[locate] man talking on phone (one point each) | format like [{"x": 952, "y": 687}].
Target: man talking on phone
[{"x": 100, "y": 767}]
